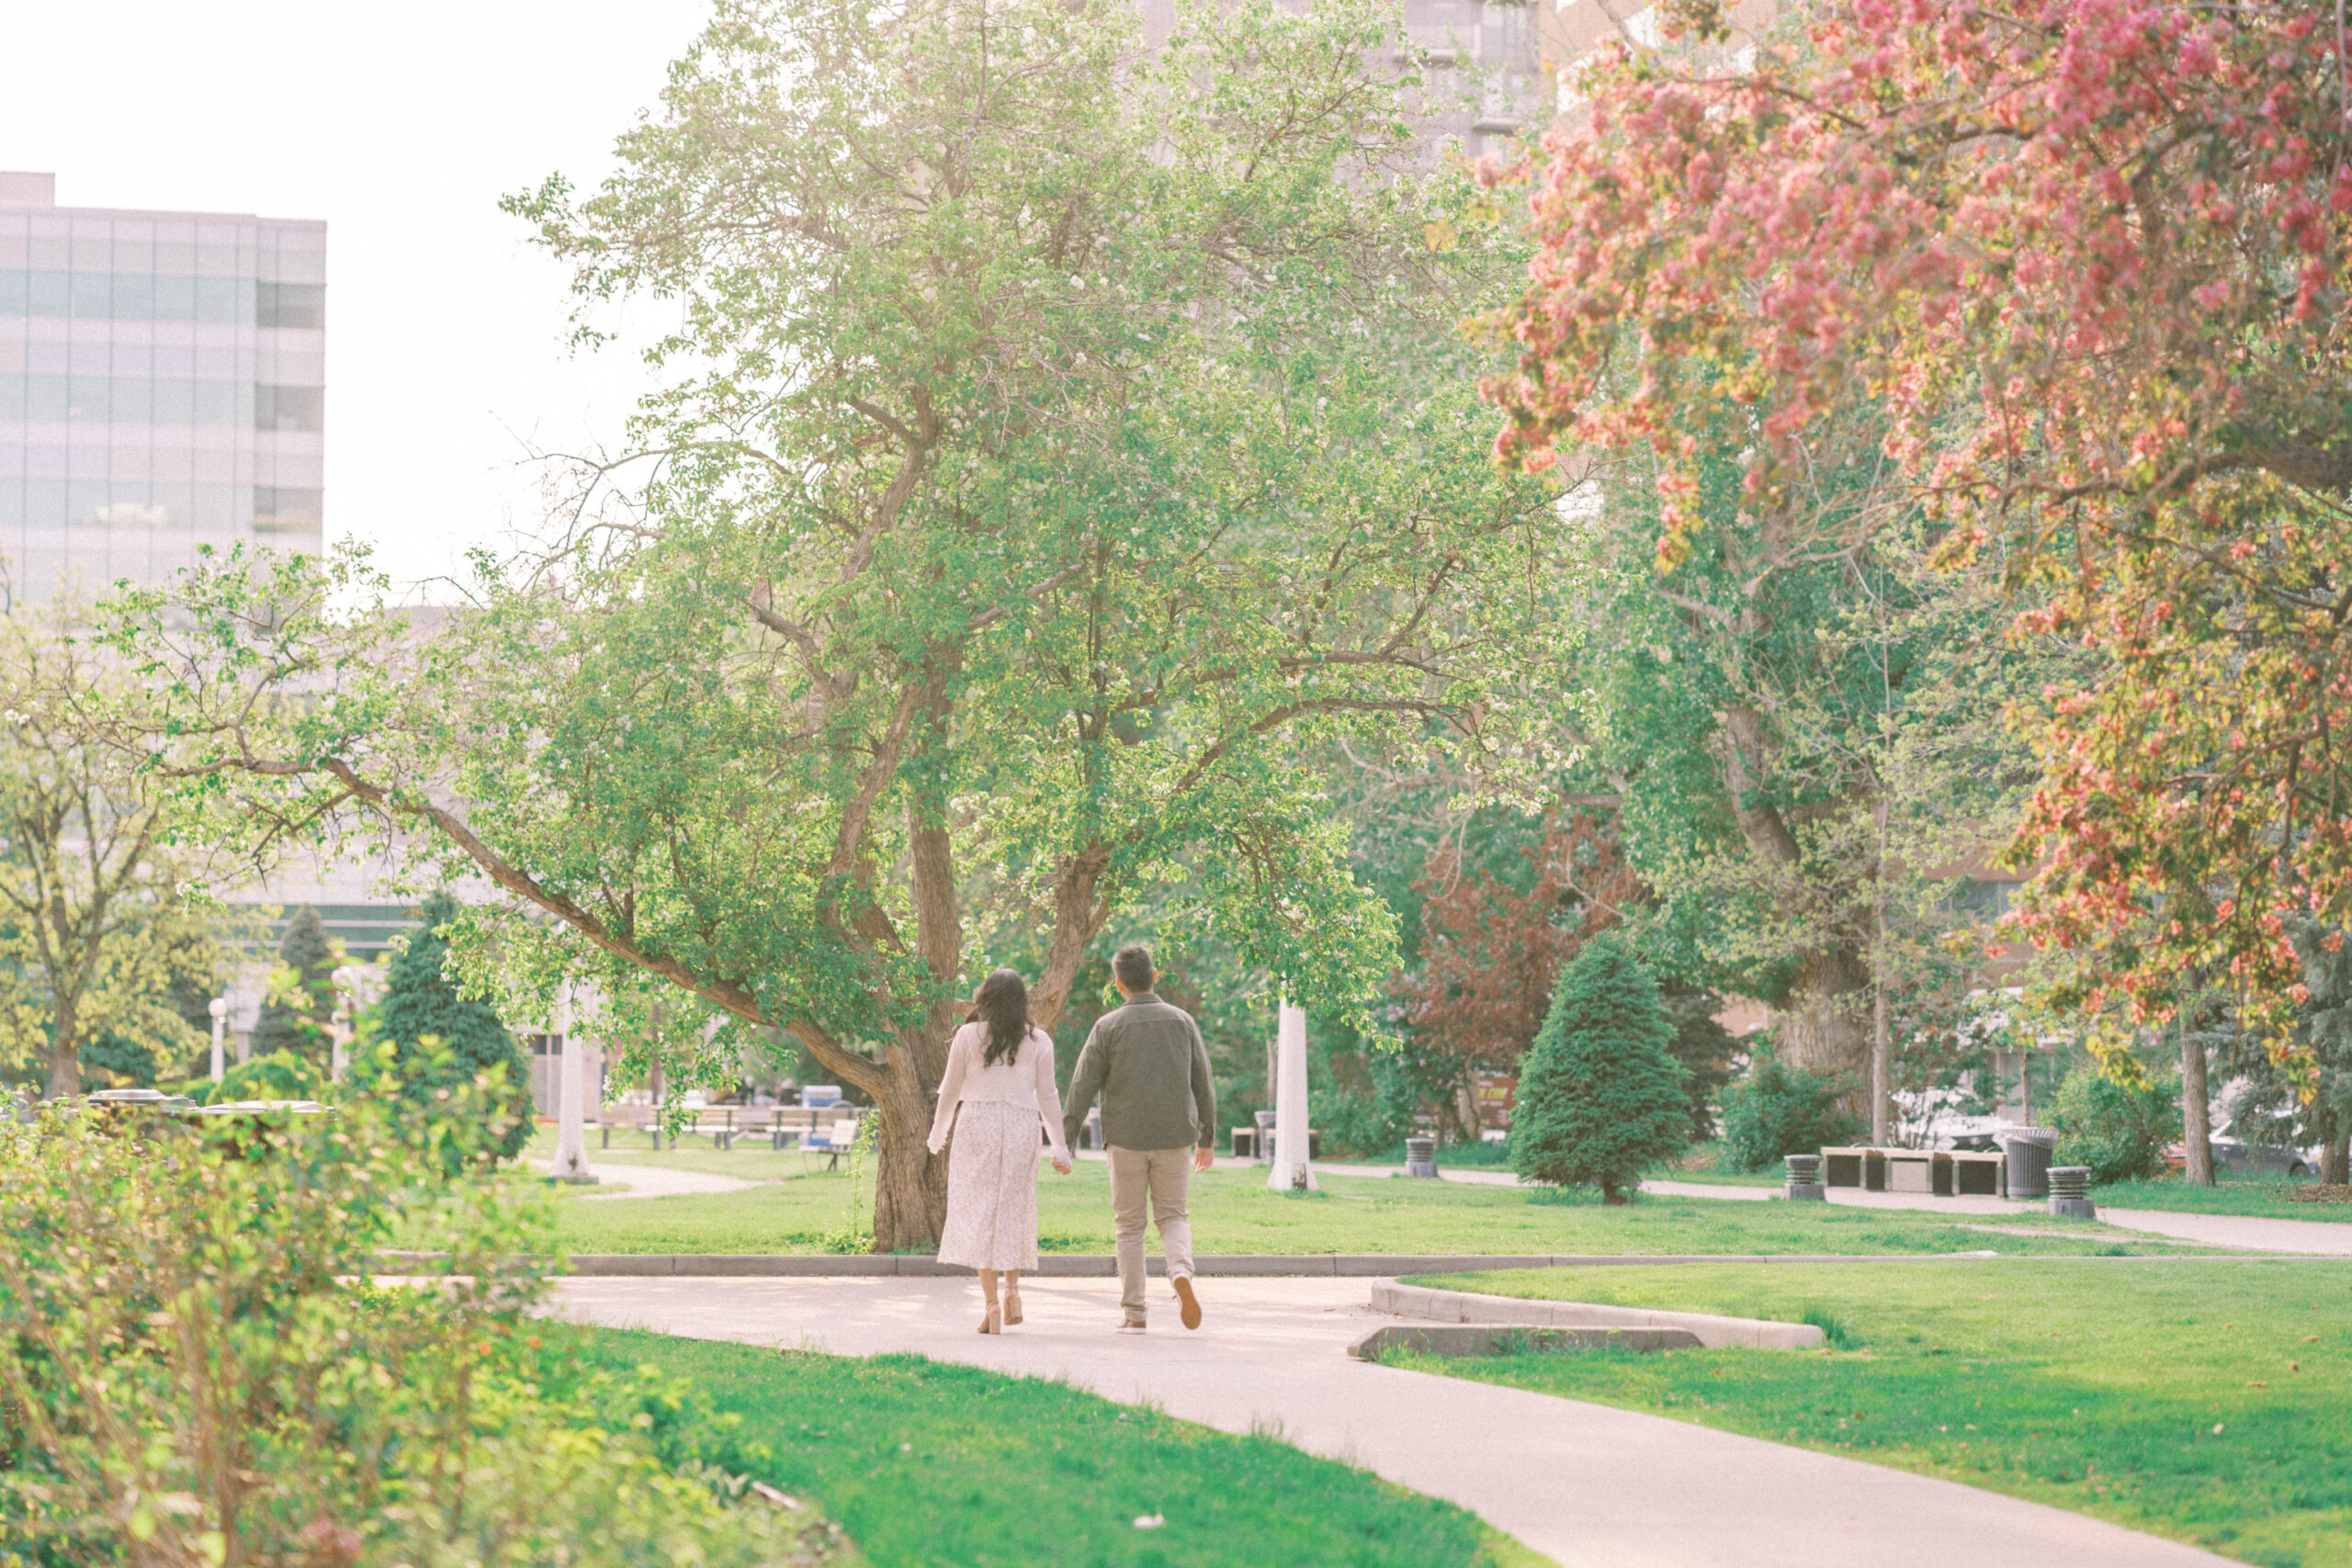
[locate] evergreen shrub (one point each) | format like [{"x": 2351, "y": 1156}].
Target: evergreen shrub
[
  {"x": 298, "y": 1017},
  {"x": 440, "y": 1037},
  {"x": 1780, "y": 1109},
  {"x": 1600, "y": 1099}
]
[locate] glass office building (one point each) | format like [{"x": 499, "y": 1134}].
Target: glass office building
[{"x": 163, "y": 386}]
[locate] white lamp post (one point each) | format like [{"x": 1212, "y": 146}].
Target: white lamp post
[
  {"x": 1293, "y": 1172},
  {"x": 346, "y": 1009},
  {"x": 218, "y": 1008},
  {"x": 570, "y": 1131}
]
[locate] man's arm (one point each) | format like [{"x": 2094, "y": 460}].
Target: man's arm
[
  {"x": 1085, "y": 1083},
  {"x": 1203, "y": 1091}
]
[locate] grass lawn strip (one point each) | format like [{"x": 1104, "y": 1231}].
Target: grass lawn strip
[
  {"x": 926, "y": 1463},
  {"x": 1233, "y": 1213},
  {"x": 2205, "y": 1399},
  {"x": 2266, "y": 1196}
]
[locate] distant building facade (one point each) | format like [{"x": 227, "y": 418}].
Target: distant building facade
[{"x": 163, "y": 386}]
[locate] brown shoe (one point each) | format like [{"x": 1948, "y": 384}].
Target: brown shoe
[{"x": 1190, "y": 1304}]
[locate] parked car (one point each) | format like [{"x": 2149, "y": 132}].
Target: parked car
[{"x": 2236, "y": 1155}]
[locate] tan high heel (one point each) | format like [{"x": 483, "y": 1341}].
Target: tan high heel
[
  {"x": 1012, "y": 1308},
  {"x": 991, "y": 1324}
]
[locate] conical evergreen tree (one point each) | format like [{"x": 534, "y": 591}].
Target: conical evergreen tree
[
  {"x": 299, "y": 1024},
  {"x": 422, "y": 1003},
  {"x": 1600, "y": 1099}
]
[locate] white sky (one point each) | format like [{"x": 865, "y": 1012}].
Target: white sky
[{"x": 402, "y": 127}]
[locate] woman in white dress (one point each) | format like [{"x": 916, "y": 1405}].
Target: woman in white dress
[{"x": 997, "y": 1091}]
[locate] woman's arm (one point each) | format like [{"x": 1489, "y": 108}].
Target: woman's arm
[
  {"x": 1049, "y": 1100},
  {"x": 951, "y": 1088}
]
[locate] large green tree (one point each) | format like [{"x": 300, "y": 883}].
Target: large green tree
[
  {"x": 97, "y": 861},
  {"x": 1805, "y": 724},
  {"x": 1064, "y": 439}
]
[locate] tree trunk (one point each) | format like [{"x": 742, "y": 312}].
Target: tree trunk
[
  {"x": 1611, "y": 1192},
  {"x": 2196, "y": 1114},
  {"x": 1819, "y": 1026},
  {"x": 65, "y": 1054},
  {"x": 909, "y": 1181},
  {"x": 2335, "y": 1159}
]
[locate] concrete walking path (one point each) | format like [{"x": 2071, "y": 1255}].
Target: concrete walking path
[
  {"x": 651, "y": 1182},
  {"x": 1585, "y": 1484}
]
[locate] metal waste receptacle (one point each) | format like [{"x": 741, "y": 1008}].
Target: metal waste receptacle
[{"x": 2028, "y": 1149}]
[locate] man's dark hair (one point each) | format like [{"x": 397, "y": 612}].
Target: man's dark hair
[{"x": 1132, "y": 965}]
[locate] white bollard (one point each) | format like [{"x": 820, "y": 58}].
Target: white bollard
[
  {"x": 572, "y": 1133},
  {"x": 218, "y": 1008},
  {"x": 1292, "y": 1172}
]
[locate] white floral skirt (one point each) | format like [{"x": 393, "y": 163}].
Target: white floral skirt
[{"x": 993, "y": 1187}]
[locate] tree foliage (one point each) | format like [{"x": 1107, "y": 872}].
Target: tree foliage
[
  {"x": 2087, "y": 260},
  {"x": 296, "y": 1016},
  {"x": 96, "y": 859},
  {"x": 1601, "y": 1099},
  {"x": 1064, "y": 440},
  {"x": 1493, "y": 943},
  {"x": 442, "y": 1035}
]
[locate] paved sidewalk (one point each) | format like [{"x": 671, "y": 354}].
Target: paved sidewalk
[
  {"x": 1589, "y": 1486},
  {"x": 651, "y": 1182}
]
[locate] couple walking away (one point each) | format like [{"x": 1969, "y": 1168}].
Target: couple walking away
[{"x": 1146, "y": 1059}]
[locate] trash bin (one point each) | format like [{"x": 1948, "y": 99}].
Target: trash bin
[
  {"x": 2029, "y": 1152},
  {"x": 1421, "y": 1157},
  {"x": 2069, "y": 1196},
  {"x": 1265, "y": 1147}
]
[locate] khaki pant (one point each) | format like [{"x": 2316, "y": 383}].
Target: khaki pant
[{"x": 1165, "y": 1176}]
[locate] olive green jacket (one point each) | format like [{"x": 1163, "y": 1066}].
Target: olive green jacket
[{"x": 1146, "y": 1061}]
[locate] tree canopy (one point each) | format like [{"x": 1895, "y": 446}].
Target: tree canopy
[
  {"x": 2086, "y": 263},
  {"x": 1064, "y": 438}
]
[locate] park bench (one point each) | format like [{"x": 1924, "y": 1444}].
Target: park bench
[
  {"x": 1939, "y": 1173},
  {"x": 834, "y": 1139}
]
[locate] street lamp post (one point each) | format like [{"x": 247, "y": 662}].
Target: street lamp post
[
  {"x": 218, "y": 1008},
  {"x": 571, "y": 1132},
  {"x": 346, "y": 1009},
  {"x": 1292, "y": 1172}
]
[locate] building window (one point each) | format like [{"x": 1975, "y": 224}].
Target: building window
[
  {"x": 289, "y": 408},
  {"x": 285, "y": 511},
  {"x": 291, "y": 305}
]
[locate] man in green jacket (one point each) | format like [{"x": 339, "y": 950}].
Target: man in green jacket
[{"x": 1146, "y": 1061}]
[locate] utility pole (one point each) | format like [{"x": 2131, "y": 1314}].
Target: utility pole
[{"x": 218, "y": 1008}]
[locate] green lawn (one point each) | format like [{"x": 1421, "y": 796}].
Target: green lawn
[
  {"x": 925, "y": 1462},
  {"x": 2202, "y": 1399},
  {"x": 1232, "y": 1212},
  {"x": 2268, "y": 1196}
]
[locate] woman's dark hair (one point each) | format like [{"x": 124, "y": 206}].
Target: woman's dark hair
[{"x": 1004, "y": 1002}]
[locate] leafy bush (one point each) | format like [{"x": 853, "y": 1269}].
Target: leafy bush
[
  {"x": 1600, "y": 1099},
  {"x": 1779, "y": 1110},
  {"x": 2117, "y": 1130},
  {"x": 278, "y": 1074},
  {"x": 191, "y": 1377}
]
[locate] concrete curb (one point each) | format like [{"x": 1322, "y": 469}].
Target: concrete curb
[
  {"x": 1502, "y": 1339},
  {"x": 1713, "y": 1332},
  {"x": 1104, "y": 1265}
]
